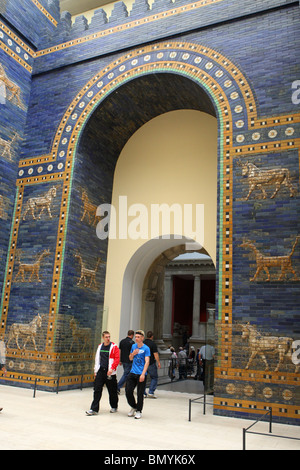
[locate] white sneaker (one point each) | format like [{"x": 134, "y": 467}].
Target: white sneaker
[
  {"x": 91, "y": 413},
  {"x": 113, "y": 410},
  {"x": 131, "y": 412},
  {"x": 138, "y": 415},
  {"x": 151, "y": 395}
]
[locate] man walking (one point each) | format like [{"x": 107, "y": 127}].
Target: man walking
[
  {"x": 125, "y": 348},
  {"x": 140, "y": 355},
  {"x": 106, "y": 362},
  {"x": 154, "y": 363}
]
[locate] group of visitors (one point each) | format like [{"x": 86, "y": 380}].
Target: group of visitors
[
  {"x": 187, "y": 358},
  {"x": 138, "y": 359}
]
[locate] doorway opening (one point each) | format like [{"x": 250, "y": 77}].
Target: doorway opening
[{"x": 178, "y": 293}]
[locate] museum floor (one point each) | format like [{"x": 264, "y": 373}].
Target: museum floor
[{"x": 53, "y": 421}]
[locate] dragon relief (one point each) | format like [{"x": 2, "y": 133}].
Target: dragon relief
[
  {"x": 87, "y": 275},
  {"x": 262, "y": 345},
  {"x": 30, "y": 269},
  {"x": 80, "y": 336},
  {"x": 8, "y": 146},
  {"x": 264, "y": 262},
  {"x": 89, "y": 209},
  {"x": 14, "y": 91}
]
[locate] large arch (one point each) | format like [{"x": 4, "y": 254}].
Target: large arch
[
  {"x": 169, "y": 164},
  {"x": 231, "y": 100},
  {"x": 228, "y": 89}
]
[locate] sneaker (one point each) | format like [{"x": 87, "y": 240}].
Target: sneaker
[
  {"x": 113, "y": 410},
  {"x": 138, "y": 415},
  {"x": 151, "y": 395},
  {"x": 131, "y": 412},
  {"x": 91, "y": 413}
]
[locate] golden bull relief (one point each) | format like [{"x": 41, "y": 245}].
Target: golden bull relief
[
  {"x": 263, "y": 262},
  {"x": 40, "y": 203},
  {"x": 26, "y": 331},
  {"x": 260, "y": 345},
  {"x": 260, "y": 179}
]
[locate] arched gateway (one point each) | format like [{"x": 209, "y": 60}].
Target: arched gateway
[{"x": 225, "y": 93}]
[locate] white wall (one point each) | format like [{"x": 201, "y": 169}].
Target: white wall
[{"x": 171, "y": 159}]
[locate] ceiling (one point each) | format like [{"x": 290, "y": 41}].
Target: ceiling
[
  {"x": 133, "y": 104},
  {"x": 75, "y": 7}
]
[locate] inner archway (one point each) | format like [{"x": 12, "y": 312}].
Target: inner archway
[{"x": 172, "y": 162}]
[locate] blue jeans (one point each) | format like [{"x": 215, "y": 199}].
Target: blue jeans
[
  {"x": 127, "y": 369},
  {"x": 152, "y": 371}
]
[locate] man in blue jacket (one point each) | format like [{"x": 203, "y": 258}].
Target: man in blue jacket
[{"x": 140, "y": 357}]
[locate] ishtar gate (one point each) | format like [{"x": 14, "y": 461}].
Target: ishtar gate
[{"x": 149, "y": 178}]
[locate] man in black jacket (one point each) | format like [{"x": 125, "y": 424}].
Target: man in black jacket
[
  {"x": 125, "y": 348},
  {"x": 154, "y": 363}
]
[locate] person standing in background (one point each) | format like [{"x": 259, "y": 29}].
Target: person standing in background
[
  {"x": 207, "y": 354},
  {"x": 125, "y": 348},
  {"x": 182, "y": 363},
  {"x": 154, "y": 363}
]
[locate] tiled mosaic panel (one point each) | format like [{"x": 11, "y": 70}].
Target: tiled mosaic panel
[{"x": 14, "y": 97}]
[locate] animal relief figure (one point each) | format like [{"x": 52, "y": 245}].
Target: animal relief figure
[
  {"x": 8, "y": 145},
  {"x": 26, "y": 331},
  {"x": 259, "y": 179},
  {"x": 14, "y": 90},
  {"x": 1, "y": 207},
  {"x": 263, "y": 262},
  {"x": 261, "y": 345},
  {"x": 32, "y": 269},
  {"x": 80, "y": 336},
  {"x": 89, "y": 209},
  {"x": 87, "y": 276},
  {"x": 40, "y": 203}
]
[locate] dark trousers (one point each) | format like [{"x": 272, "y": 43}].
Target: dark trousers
[
  {"x": 111, "y": 384},
  {"x": 127, "y": 369},
  {"x": 208, "y": 374},
  {"x": 133, "y": 380}
]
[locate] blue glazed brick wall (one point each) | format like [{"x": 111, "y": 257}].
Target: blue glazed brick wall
[
  {"x": 30, "y": 20},
  {"x": 14, "y": 98},
  {"x": 262, "y": 41}
]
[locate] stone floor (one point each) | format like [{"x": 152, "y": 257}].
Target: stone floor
[{"x": 53, "y": 421}]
